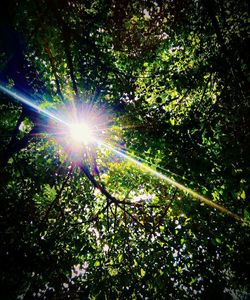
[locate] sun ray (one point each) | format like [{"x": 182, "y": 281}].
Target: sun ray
[
  {"x": 142, "y": 160},
  {"x": 23, "y": 99},
  {"x": 178, "y": 185},
  {"x": 138, "y": 161}
]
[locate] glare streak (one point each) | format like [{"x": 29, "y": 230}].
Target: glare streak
[
  {"x": 174, "y": 183},
  {"x": 142, "y": 160},
  {"x": 195, "y": 195},
  {"x": 24, "y": 100}
]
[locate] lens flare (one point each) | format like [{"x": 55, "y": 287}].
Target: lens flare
[
  {"x": 30, "y": 102},
  {"x": 178, "y": 185},
  {"x": 81, "y": 134}
]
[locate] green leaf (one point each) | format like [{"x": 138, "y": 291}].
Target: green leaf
[
  {"x": 218, "y": 240},
  {"x": 246, "y": 215},
  {"x": 143, "y": 273},
  {"x": 97, "y": 263},
  {"x": 243, "y": 195},
  {"x": 120, "y": 257}
]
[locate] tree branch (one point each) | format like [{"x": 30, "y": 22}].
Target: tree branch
[
  {"x": 57, "y": 198},
  {"x": 66, "y": 44},
  {"x": 53, "y": 66},
  {"x": 16, "y": 146}
]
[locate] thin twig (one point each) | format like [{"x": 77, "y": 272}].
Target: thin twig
[{"x": 57, "y": 198}]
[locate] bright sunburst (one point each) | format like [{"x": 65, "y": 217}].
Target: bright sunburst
[
  {"x": 81, "y": 133},
  {"x": 73, "y": 135}
]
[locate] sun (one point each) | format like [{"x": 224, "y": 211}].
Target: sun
[
  {"x": 81, "y": 133},
  {"x": 79, "y": 130}
]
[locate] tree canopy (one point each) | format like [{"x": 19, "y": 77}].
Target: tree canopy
[{"x": 124, "y": 149}]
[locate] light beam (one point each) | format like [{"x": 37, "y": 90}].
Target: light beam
[
  {"x": 81, "y": 134},
  {"x": 24, "y": 100},
  {"x": 174, "y": 183}
]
